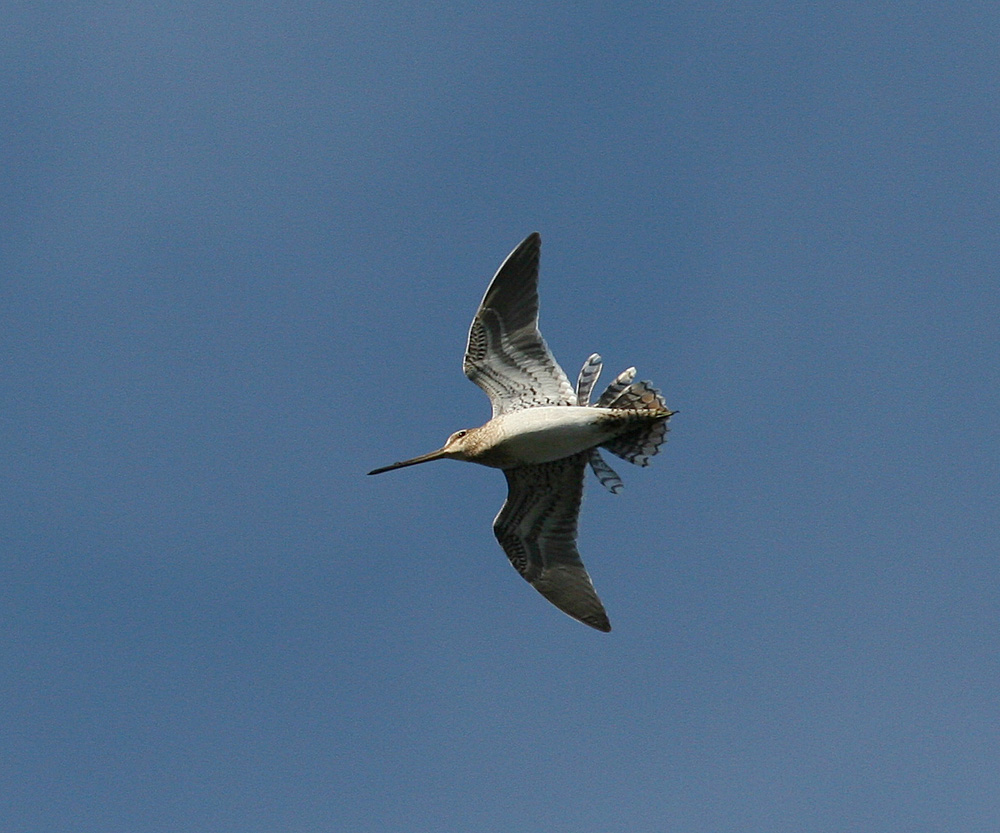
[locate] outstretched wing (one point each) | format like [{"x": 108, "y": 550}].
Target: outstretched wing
[
  {"x": 537, "y": 529},
  {"x": 506, "y": 355}
]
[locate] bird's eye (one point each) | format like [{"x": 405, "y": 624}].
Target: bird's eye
[{"x": 461, "y": 433}]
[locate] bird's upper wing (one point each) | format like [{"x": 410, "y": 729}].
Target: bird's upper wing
[
  {"x": 537, "y": 529},
  {"x": 506, "y": 355}
]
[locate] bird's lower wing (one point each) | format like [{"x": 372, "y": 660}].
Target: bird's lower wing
[{"x": 537, "y": 529}]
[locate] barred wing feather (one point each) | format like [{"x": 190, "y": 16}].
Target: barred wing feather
[
  {"x": 537, "y": 529},
  {"x": 506, "y": 355}
]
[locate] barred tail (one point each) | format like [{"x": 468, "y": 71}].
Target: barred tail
[{"x": 650, "y": 413}]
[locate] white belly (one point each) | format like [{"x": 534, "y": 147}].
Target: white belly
[{"x": 540, "y": 435}]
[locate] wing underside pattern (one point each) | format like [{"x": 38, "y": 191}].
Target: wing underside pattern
[
  {"x": 506, "y": 355},
  {"x": 537, "y": 529}
]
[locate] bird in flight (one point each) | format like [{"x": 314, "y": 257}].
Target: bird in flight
[{"x": 544, "y": 433}]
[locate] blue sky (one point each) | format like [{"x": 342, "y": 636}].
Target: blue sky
[{"x": 241, "y": 248}]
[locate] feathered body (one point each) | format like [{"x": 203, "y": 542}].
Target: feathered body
[
  {"x": 541, "y": 435},
  {"x": 544, "y": 433}
]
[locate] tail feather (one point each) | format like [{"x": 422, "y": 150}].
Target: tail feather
[
  {"x": 638, "y": 446},
  {"x": 605, "y": 474},
  {"x": 641, "y": 396},
  {"x": 615, "y": 389},
  {"x": 651, "y": 412},
  {"x": 587, "y": 379}
]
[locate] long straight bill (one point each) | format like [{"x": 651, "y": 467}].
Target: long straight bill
[{"x": 423, "y": 458}]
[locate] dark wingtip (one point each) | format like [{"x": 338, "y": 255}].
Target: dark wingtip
[
  {"x": 598, "y": 621},
  {"x": 532, "y": 242},
  {"x": 602, "y": 624}
]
